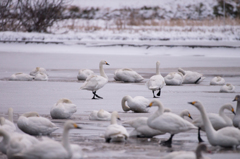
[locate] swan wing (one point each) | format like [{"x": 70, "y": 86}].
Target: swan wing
[
  {"x": 115, "y": 130},
  {"x": 127, "y": 75},
  {"x": 94, "y": 82}
]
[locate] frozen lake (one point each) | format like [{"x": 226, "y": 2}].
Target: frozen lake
[{"x": 63, "y": 62}]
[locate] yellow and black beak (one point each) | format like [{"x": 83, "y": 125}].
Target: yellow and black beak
[
  {"x": 233, "y": 111},
  {"x": 189, "y": 115},
  {"x": 107, "y": 63},
  {"x": 149, "y": 105},
  {"x": 235, "y": 99},
  {"x": 76, "y": 126},
  {"x": 192, "y": 102}
]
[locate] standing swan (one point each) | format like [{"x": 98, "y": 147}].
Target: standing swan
[
  {"x": 156, "y": 82},
  {"x": 217, "y": 81},
  {"x": 137, "y": 104},
  {"x": 190, "y": 77},
  {"x": 225, "y": 137},
  {"x": 227, "y": 88},
  {"x": 167, "y": 122},
  {"x": 115, "y": 132},
  {"x": 218, "y": 121},
  {"x": 236, "y": 118},
  {"x": 95, "y": 82},
  {"x": 127, "y": 75},
  {"x": 33, "y": 124},
  {"x": 50, "y": 149}
]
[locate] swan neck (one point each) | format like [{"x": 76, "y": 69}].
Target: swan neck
[
  {"x": 10, "y": 115},
  {"x": 157, "y": 69},
  {"x": 238, "y": 108},
  {"x": 182, "y": 114},
  {"x": 102, "y": 73},
  {"x": 198, "y": 153},
  {"x": 113, "y": 119},
  {"x": 124, "y": 106},
  {"x": 65, "y": 142},
  {"x": 6, "y": 137},
  {"x": 181, "y": 70}
]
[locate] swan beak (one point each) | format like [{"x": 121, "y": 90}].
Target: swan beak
[
  {"x": 190, "y": 116},
  {"x": 235, "y": 99},
  {"x": 233, "y": 111},
  {"x": 149, "y": 105},
  {"x": 118, "y": 118},
  {"x": 107, "y": 63},
  {"x": 76, "y": 126},
  {"x": 192, "y": 103}
]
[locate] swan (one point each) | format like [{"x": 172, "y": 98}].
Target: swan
[
  {"x": 167, "y": 122},
  {"x": 33, "y": 124},
  {"x": 7, "y": 124},
  {"x": 156, "y": 82},
  {"x": 84, "y": 73},
  {"x": 137, "y": 104},
  {"x": 227, "y": 88},
  {"x": 95, "y": 82},
  {"x": 21, "y": 77},
  {"x": 100, "y": 115},
  {"x": 115, "y": 132},
  {"x": 127, "y": 75},
  {"x": 14, "y": 142},
  {"x": 63, "y": 109},
  {"x": 49, "y": 149},
  {"x": 188, "y": 154},
  {"x": 38, "y": 70},
  {"x": 41, "y": 77},
  {"x": 141, "y": 129},
  {"x": 236, "y": 118},
  {"x": 218, "y": 121},
  {"x": 217, "y": 81},
  {"x": 225, "y": 137},
  {"x": 190, "y": 77},
  {"x": 174, "y": 78}
]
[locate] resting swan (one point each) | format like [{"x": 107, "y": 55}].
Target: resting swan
[
  {"x": 115, "y": 132},
  {"x": 127, "y": 75},
  {"x": 7, "y": 124},
  {"x": 21, "y": 77},
  {"x": 218, "y": 121},
  {"x": 227, "y": 88},
  {"x": 188, "y": 154},
  {"x": 141, "y": 129},
  {"x": 225, "y": 137},
  {"x": 84, "y": 73},
  {"x": 217, "y": 81},
  {"x": 99, "y": 115},
  {"x": 190, "y": 77},
  {"x": 49, "y": 149},
  {"x": 236, "y": 118},
  {"x": 137, "y": 104},
  {"x": 167, "y": 122},
  {"x": 33, "y": 124},
  {"x": 156, "y": 82},
  {"x": 174, "y": 78},
  {"x": 41, "y": 77},
  {"x": 95, "y": 82},
  {"x": 38, "y": 70},
  {"x": 63, "y": 109}
]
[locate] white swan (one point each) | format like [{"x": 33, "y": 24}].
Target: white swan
[
  {"x": 127, "y": 75},
  {"x": 137, "y": 104},
  {"x": 84, "y": 73},
  {"x": 227, "y": 88},
  {"x": 13, "y": 143},
  {"x": 21, "y": 77},
  {"x": 190, "y": 77},
  {"x": 49, "y": 149},
  {"x": 217, "y": 81},
  {"x": 236, "y": 118},
  {"x": 33, "y": 124},
  {"x": 218, "y": 121},
  {"x": 174, "y": 78},
  {"x": 156, "y": 82},
  {"x": 95, "y": 82},
  {"x": 38, "y": 70},
  {"x": 225, "y": 137},
  {"x": 63, "y": 109},
  {"x": 167, "y": 122},
  {"x": 7, "y": 124},
  {"x": 41, "y": 77},
  {"x": 188, "y": 154},
  {"x": 141, "y": 129},
  {"x": 115, "y": 132},
  {"x": 100, "y": 115}
]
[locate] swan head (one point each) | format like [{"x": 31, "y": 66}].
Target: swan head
[
  {"x": 186, "y": 113},
  {"x": 115, "y": 114},
  {"x": 201, "y": 148},
  {"x": 37, "y": 68},
  {"x": 2, "y": 121},
  {"x": 31, "y": 114},
  {"x": 64, "y": 100},
  {"x": 197, "y": 104},
  {"x": 237, "y": 98},
  {"x": 103, "y": 62},
  {"x": 10, "y": 110},
  {"x": 154, "y": 102},
  {"x": 229, "y": 107},
  {"x": 157, "y": 63},
  {"x": 71, "y": 125}
]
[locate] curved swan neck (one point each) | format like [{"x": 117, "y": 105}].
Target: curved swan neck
[
  {"x": 102, "y": 73},
  {"x": 181, "y": 70},
  {"x": 157, "y": 69},
  {"x": 6, "y": 137},
  {"x": 124, "y": 106},
  {"x": 10, "y": 114},
  {"x": 65, "y": 141}
]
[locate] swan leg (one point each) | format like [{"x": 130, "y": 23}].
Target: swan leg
[
  {"x": 159, "y": 93},
  {"x": 167, "y": 143},
  {"x": 199, "y": 136},
  {"x": 94, "y": 94},
  {"x": 154, "y": 94},
  {"x": 98, "y": 95},
  {"x": 197, "y": 80}
]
